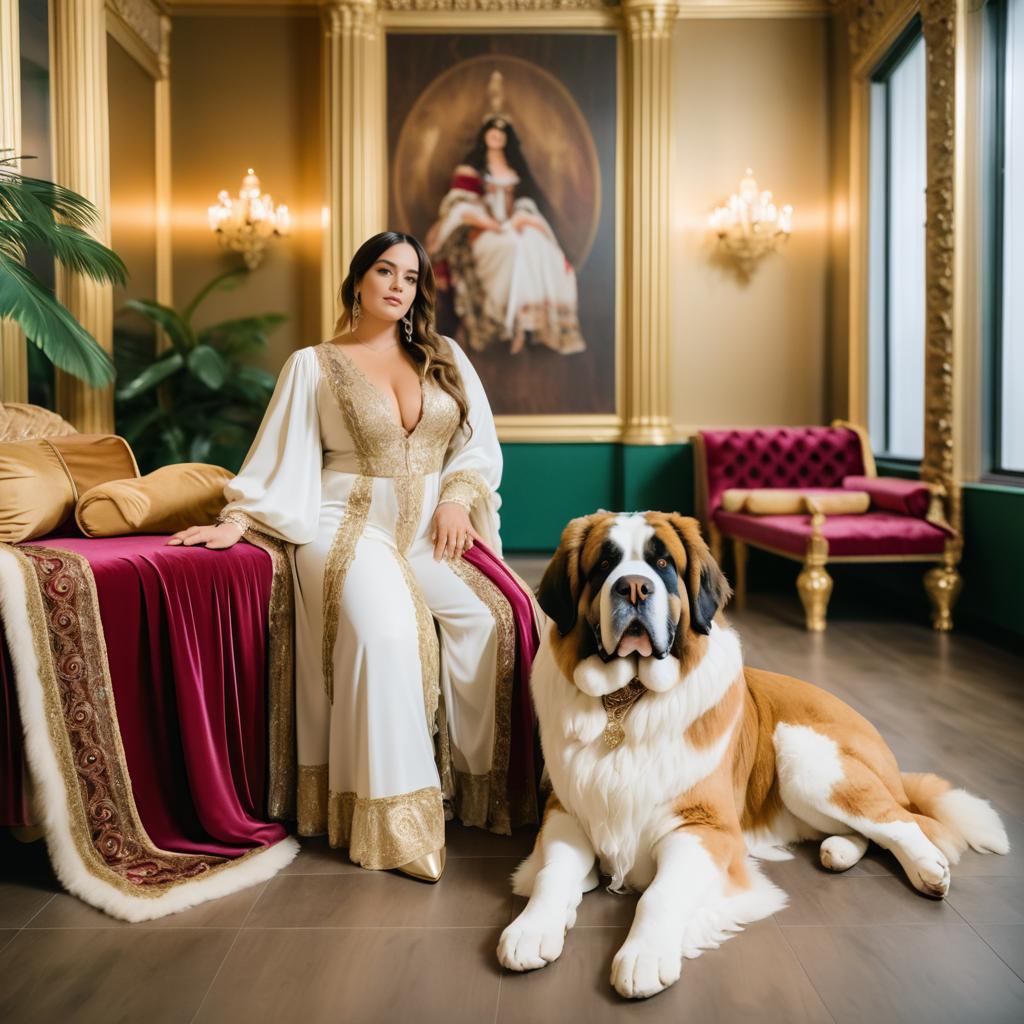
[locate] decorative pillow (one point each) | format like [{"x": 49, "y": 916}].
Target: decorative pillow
[
  {"x": 20, "y": 421},
  {"x": 894, "y": 494},
  {"x": 785, "y": 501},
  {"x": 164, "y": 501},
  {"x": 40, "y": 479}
]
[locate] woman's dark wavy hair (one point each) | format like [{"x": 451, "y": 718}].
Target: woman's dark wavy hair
[
  {"x": 477, "y": 158},
  {"x": 426, "y": 349}
]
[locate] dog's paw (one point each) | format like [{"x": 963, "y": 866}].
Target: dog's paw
[
  {"x": 530, "y": 942},
  {"x": 930, "y": 875},
  {"x": 641, "y": 969},
  {"x": 839, "y": 853}
]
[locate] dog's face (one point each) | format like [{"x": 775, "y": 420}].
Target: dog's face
[{"x": 639, "y": 584}]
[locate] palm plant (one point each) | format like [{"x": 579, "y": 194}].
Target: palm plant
[
  {"x": 40, "y": 213},
  {"x": 196, "y": 401}
]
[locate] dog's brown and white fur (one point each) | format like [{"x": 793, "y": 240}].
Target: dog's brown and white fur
[{"x": 719, "y": 762}]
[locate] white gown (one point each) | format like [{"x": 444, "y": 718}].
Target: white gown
[
  {"x": 507, "y": 282},
  {"x": 404, "y": 665}
]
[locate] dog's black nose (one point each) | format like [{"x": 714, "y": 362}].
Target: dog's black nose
[{"x": 634, "y": 588}]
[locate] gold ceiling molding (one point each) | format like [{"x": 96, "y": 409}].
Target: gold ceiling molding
[
  {"x": 143, "y": 17},
  {"x": 874, "y": 22}
]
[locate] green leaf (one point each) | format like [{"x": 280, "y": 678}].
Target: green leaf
[
  {"x": 245, "y": 334},
  {"x": 34, "y": 197},
  {"x": 182, "y": 336},
  {"x": 152, "y": 376},
  {"x": 207, "y": 365},
  {"x": 46, "y": 323}
]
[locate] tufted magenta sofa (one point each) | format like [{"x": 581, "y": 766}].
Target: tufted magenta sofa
[{"x": 904, "y": 522}]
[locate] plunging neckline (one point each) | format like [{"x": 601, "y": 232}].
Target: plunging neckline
[{"x": 399, "y": 425}]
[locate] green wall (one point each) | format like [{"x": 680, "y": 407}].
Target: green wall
[{"x": 546, "y": 485}]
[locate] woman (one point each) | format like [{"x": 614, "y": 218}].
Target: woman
[
  {"x": 512, "y": 281},
  {"x": 378, "y": 459}
]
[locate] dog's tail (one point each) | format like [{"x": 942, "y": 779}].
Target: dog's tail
[{"x": 953, "y": 819}]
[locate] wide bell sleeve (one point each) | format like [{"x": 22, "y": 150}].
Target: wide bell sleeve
[
  {"x": 471, "y": 472},
  {"x": 277, "y": 490}
]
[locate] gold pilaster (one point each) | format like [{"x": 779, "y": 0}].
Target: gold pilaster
[
  {"x": 13, "y": 358},
  {"x": 162, "y": 101},
  {"x": 82, "y": 163},
  {"x": 354, "y": 91},
  {"x": 648, "y": 132}
]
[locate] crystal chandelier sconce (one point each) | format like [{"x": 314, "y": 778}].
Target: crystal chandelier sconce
[
  {"x": 750, "y": 225},
  {"x": 247, "y": 222}
]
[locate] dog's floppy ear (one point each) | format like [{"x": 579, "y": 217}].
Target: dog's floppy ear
[
  {"x": 705, "y": 583},
  {"x": 559, "y": 591}
]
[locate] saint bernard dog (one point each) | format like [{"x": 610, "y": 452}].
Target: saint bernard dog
[{"x": 672, "y": 765}]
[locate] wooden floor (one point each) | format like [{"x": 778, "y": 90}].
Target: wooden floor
[{"x": 327, "y": 941}]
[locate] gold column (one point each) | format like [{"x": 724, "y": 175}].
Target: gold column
[
  {"x": 162, "y": 100},
  {"x": 354, "y": 88},
  {"x": 82, "y": 162},
  {"x": 13, "y": 358},
  {"x": 648, "y": 127}
]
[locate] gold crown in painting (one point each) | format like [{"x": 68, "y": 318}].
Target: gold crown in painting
[{"x": 496, "y": 101}]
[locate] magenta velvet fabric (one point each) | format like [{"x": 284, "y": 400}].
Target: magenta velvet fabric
[
  {"x": 13, "y": 805},
  {"x": 522, "y": 766},
  {"x": 870, "y": 534},
  {"x": 186, "y": 637},
  {"x": 779, "y": 457},
  {"x": 893, "y": 494}
]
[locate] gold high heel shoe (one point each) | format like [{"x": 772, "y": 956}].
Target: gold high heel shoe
[{"x": 427, "y": 868}]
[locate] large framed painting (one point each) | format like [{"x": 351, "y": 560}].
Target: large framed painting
[{"x": 503, "y": 153}]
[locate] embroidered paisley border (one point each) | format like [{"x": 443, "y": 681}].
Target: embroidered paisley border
[
  {"x": 497, "y": 809},
  {"x": 104, "y": 822}
]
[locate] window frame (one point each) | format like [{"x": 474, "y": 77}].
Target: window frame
[
  {"x": 994, "y": 176},
  {"x": 881, "y": 75}
]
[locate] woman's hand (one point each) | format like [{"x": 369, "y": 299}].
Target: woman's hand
[
  {"x": 223, "y": 535},
  {"x": 451, "y": 531}
]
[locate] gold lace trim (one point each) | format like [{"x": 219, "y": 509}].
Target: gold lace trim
[
  {"x": 382, "y": 446},
  {"x": 466, "y": 488},
  {"x": 409, "y": 495},
  {"x": 246, "y": 522},
  {"x": 389, "y": 831},
  {"x": 472, "y": 798},
  {"x": 339, "y": 558},
  {"x": 505, "y": 665},
  {"x": 280, "y": 681},
  {"x": 312, "y": 799}
]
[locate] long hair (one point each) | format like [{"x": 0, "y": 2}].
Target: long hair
[
  {"x": 477, "y": 158},
  {"x": 426, "y": 349}
]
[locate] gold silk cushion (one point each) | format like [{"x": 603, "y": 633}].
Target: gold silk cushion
[
  {"x": 40, "y": 479},
  {"x": 20, "y": 421},
  {"x": 773, "y": 501},
  {"x": 164, "y": 501}
]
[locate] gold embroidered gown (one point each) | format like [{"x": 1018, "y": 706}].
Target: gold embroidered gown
[{"x": 404, "y": 665}]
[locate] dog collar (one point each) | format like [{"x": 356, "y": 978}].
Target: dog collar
[{"x": 616, "y": 706}]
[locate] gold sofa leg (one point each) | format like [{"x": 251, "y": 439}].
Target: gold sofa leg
[
  {"x": 942, "y": 585},
  {"x": 814, "y": 584},
  {"x": 715, "y": 542},
  {"x": 739, "y": 557}
]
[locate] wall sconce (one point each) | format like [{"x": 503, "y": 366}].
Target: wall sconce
[
  {"x": 245, "y": 224},
  {"x": 750, "y": 225}
]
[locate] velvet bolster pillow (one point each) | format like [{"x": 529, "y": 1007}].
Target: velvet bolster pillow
[
  {"x": 164, "y": 501},
  {"x": 894, "y": 494},
  {"x": 784, "y": 501},
  {"x": 40, "y": 479}
]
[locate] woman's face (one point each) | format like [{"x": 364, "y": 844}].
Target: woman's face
[
  {"x": 495, "y": 138},
  {"x": 388, "y": 288}
]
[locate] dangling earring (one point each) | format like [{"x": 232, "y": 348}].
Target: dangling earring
[
  {"x": 407, "y": 324},
  {"x": 357, "y": 311}
]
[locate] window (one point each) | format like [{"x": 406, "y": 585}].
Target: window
[
  {"x": 1005, "y": 273},
  {"x": 896, "y": 230}
]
